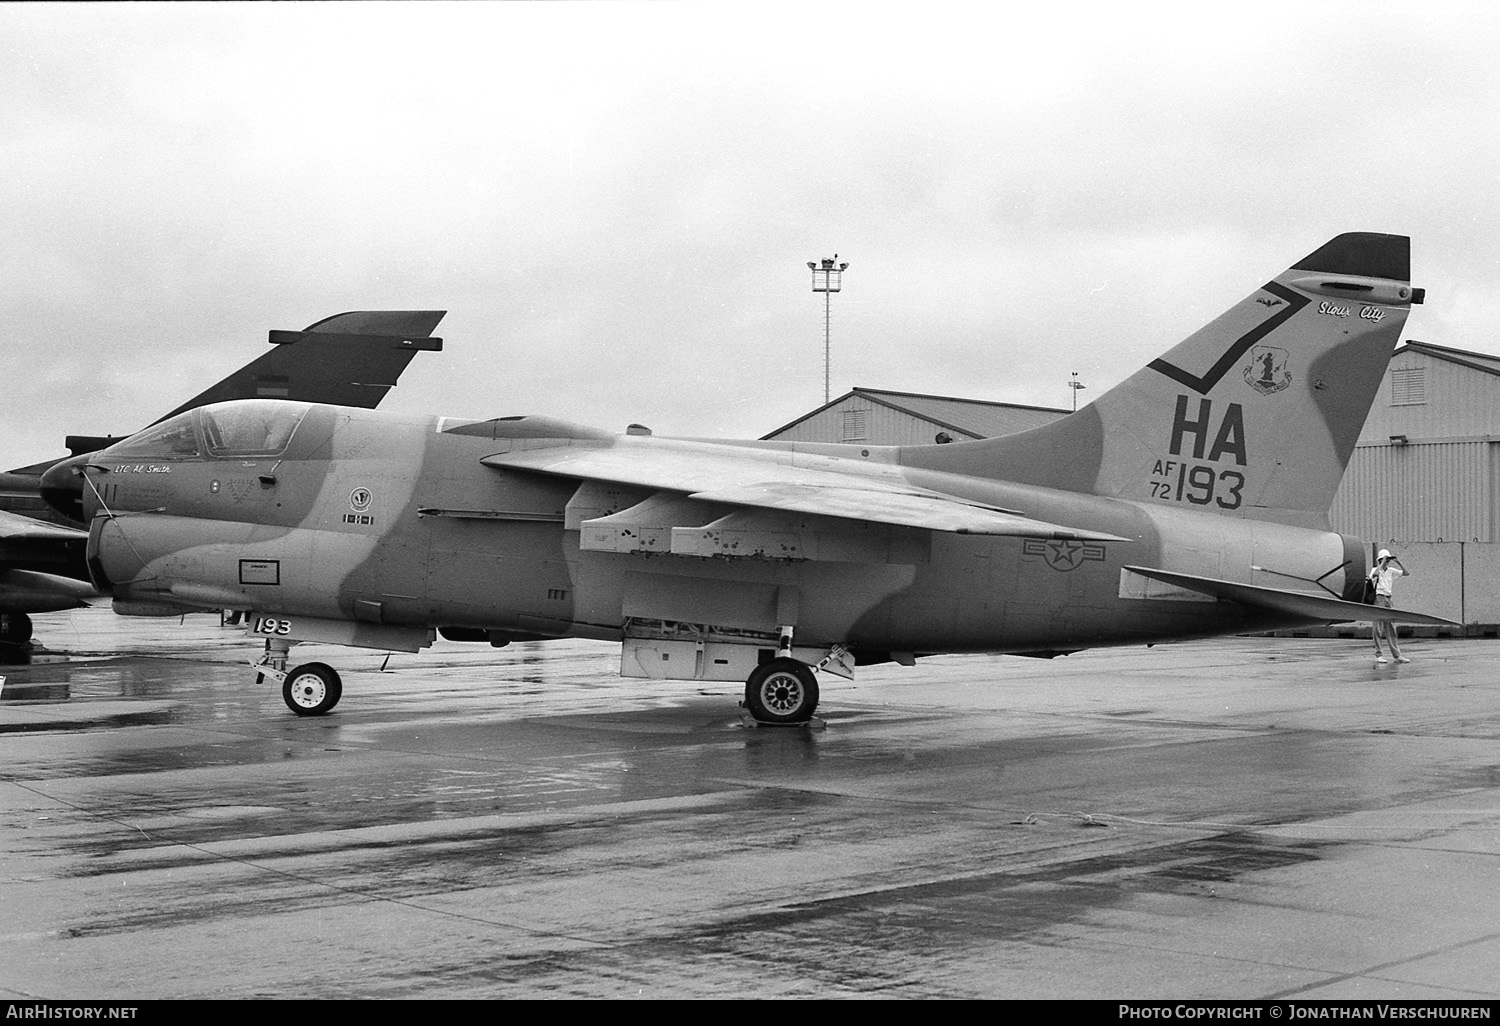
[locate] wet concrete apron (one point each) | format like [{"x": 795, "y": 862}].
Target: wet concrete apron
[{"x": 1245, "y": 818}]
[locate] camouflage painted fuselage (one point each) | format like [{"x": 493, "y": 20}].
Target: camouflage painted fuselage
[{"x": 386, "y": 519}]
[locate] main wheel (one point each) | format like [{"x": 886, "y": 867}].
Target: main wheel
[
  {"x": 782, "y": 691},
  {"x": 312, "y": 689},
  {"x": 15, "y": 628}
]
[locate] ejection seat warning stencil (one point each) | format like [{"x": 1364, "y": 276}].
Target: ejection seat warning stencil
[{"x": 260, "y": 571}]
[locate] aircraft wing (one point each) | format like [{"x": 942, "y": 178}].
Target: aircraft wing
[
  {"x": 18, "y": 529},
  {"x": 30, "y": 547},
  {"x": 761, "y": 480},
  {"x": 1313, "y": 606}
]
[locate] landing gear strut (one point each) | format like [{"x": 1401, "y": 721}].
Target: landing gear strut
[
  {"x": 782, "y": 690},
  {"x": 311, "y": 689}
]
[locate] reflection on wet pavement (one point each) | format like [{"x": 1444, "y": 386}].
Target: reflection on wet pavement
[{"x": 1184, "y": 821}]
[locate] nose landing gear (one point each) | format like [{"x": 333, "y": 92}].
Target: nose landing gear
[{"x": 311, "y": 689}]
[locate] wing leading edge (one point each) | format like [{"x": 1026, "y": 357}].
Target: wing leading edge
[
  {"x": 770, "y": 480},
  {"x": 14, "y": 528},
  {"x": 29, "y": 551}
]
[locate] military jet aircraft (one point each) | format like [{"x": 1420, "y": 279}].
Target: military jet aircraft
[
  {"x": 1189, "y": 501},
  {"x": 351, "y": 359}
]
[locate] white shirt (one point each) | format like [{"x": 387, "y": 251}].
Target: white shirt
[{"x": 1384, "y": 577}]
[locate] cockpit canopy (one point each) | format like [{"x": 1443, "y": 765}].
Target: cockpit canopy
[{"x": 232, "y": 430}]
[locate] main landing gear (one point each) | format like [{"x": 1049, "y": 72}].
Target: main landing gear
[
  {"x": 15, "y": 639},
  {"x": 311, "y": 689},
  {"x": 782, "y": 691}
]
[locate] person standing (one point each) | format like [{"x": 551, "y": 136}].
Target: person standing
[{"x": 1383, "y": 575}]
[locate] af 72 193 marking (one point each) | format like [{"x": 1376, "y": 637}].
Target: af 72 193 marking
[{"x": 1197, "y": 483}]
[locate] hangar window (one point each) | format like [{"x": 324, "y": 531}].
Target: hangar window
[
  {"x": 1408, "y": 386},
  {"x": 854, "y": 426}
]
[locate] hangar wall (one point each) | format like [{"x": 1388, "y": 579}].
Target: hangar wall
[
  {"x": 1423, "y": 481},
  {"x": 1456, "y": 580},
  {"x": 1436, "y": 491}
]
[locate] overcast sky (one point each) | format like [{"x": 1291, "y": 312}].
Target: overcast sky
[{"x": 616, "y": 202}]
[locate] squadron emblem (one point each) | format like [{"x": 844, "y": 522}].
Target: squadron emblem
[{"x": 1266, "y": 372}]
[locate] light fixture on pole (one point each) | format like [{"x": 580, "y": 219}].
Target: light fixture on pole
[
  {"x": 827, "y": 277},
  {"x": 1075, "y": 385}
]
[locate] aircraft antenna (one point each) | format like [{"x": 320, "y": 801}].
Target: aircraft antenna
[
  {"x": 83, "y": 472},
  {"x": 827, "y": 278}
]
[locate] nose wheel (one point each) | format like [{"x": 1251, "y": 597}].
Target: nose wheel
[{"x": 312, "y": 689}]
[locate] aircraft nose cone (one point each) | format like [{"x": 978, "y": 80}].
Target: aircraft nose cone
[{"x": 62, "y": 488}]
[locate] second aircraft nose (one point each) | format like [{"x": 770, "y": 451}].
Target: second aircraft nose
[{"x": 62, "y": 487}]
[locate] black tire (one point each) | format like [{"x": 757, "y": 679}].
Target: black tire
[
  {"x": 15, "y": 628},
  {"x": 312, "y": 689},
  {"x": 782, "y": 691}
]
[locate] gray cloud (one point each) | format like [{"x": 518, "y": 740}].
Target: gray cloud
[{"x": 616, "y": 202}]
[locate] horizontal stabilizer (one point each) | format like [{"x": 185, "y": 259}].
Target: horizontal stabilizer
[
  {"x": 737, "y": 477},
  {"x": 1309, "y": 605}
]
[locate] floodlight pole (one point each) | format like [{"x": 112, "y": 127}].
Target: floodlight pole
[
  {"x": 827, "y": 278},
  {"x": 1075, "y": 385}
]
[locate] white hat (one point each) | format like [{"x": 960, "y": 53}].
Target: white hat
[{"x": 1384, "y": 554}]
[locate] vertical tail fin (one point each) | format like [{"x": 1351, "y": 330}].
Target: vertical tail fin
[
  {"x": 349, "y": 359},
  {"x": 1254, "y": 415}
]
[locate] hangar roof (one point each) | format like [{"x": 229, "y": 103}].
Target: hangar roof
[
  {"x": 1463, "y": 357},
  {"x": 976, "y": 418}
]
